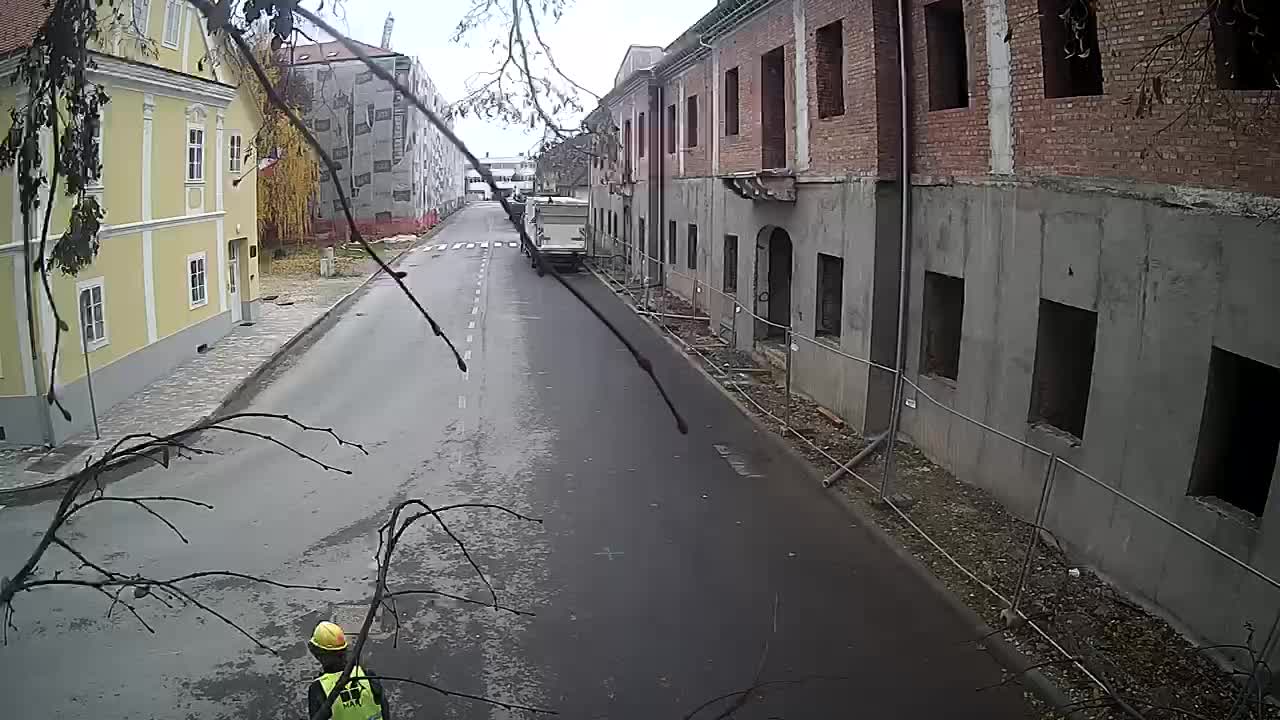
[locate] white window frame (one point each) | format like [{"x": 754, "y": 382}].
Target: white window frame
[
  {"x": 142, "y": 16},
  {"x": 235, "y": 150},
  {"x": 173, "y": 9},
  {"x": 186, "y": 157},
  {"x": 87, "y": 286},
  {"x": 192, "y": 302}
]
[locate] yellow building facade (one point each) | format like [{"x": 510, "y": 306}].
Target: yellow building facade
[{"x": 177, "y": 267}]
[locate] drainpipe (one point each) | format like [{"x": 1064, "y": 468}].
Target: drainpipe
[
  {"x": 29, "y": 149},
  {"x": 904, "y": 170}
]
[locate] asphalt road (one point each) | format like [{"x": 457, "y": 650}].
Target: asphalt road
[{"x": 660, "y": 577}]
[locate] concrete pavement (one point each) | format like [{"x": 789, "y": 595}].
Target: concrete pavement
[{"x": 659, "y": 575}]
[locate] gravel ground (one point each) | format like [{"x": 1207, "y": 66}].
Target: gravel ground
[{"x": 1148, "y": 664}]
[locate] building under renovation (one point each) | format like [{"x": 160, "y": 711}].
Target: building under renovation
[{"x": 400, "y": 173}]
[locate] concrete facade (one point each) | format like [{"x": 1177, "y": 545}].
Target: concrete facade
[
  {"x": 1020, "y": 219},
  {"x": 398, "y": 169}
]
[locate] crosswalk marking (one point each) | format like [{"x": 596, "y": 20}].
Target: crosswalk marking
[
  {"x": 514, "y": 244},
  {"x": 470, "y": 245},
  {"x": 457, "y": 245},
  {"x": 465, "y": 245},
  {"x": 484, "y": 245}
]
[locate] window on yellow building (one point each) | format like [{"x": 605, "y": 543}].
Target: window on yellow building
[
  {"x": 236, "y": 144},
  {"x": 195, "y": 154},
  {"x": 93, "y": 319},
  {"x": 141, "y": 16},
  {"x": 172, "y": 22},
  {"x": 197, "y": 280}
]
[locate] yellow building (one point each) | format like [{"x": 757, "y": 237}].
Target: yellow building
[{"x": 177, "y": 267}]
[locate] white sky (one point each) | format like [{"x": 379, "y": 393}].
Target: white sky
[{"x": 588, "y": 44}]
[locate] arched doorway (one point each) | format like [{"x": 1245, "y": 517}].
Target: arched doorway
[{"x": 773, "y": 281}]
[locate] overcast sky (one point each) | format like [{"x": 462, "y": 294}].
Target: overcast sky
[{"x": 588, "y": 43}]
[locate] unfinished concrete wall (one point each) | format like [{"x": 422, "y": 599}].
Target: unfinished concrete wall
[{"x": 1167, "y": 287}]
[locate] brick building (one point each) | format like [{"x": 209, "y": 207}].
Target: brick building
[{"x": 1086, "y": 270}]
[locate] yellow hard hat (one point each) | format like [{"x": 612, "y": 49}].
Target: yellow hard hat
[{"x": 329, "y": 636}]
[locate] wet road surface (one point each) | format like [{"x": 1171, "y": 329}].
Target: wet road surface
[{"x": 658, "y": 577}]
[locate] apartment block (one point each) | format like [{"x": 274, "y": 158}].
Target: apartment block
[
  {"x": 399, "y": 173},
  {"x": 1091, "y": 264}
]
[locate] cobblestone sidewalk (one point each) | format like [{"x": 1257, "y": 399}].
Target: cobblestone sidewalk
[{"x": 198, "y": 387}]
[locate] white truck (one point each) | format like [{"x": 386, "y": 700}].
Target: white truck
[{"x": 558, "y": 227}]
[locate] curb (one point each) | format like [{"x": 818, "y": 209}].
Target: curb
[
  {"x": 235, "y": 393},
  {"x": 1001, "y": 650}
]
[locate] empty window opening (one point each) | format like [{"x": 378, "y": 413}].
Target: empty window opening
[
  {"x": 731, "y": 101},
  {"x": 1246, "y": 41},
  {"x": 829, "y": 75},
  {"x": 1064, "y": 366},
  {"x": 626, "y": 149},
  {"x": 692, "y": 249},
  {"x": 671, "y": 129},
  {"x": 943, "y": 315},
  {"x": 948, "y": 57},
  {"x": 671, "y": 242},
  {"x": 830, "y": 294},
  {"x": 730, "y": 264},
  {"x": 1069, "y": 48},
  {"x": 773, "y": 109},
  {"x": 1236, "y": 452},
  {"x": 691, "y": 121},
  {"x": 640, "y": 130}
]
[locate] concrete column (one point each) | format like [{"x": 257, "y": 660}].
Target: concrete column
[
  {"x": 1000, "y": 108},
  {"x": 801, "y": 80}
]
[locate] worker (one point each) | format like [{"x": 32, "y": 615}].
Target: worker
[{"x": 361, "y": 698}]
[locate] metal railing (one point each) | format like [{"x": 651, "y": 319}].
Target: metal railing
[{"x": 640, "y": 298}]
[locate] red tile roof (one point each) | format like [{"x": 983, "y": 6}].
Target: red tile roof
[
  {"x": 19, "y": 21},
  {"x": 325, "y": 52}
]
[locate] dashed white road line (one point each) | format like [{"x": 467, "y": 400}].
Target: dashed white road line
[
  {"x": 475, "y": 310},
  {"x": 466, "y": 355},
  {"x": 471, "y": 325},
  {"x": 462, "y": 402},
  {"x": 471, "y": 338}
]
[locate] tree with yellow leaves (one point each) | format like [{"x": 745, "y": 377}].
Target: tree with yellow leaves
[{"x": 288, "y": 182}]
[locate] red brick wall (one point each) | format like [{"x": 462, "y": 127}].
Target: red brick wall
[
  {"x": 743, "y": 48},
  {"x": 847, "y": 143},
  {"x": 955, "y": 141},
  {"x": 693, "y": 81},
  {"x": 1100, "y": 136}
]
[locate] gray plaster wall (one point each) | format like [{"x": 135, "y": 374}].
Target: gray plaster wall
[
  {"x": 21, "y": 418},
  {"x": 121, "y": 379},
  {"x": 850, "y": 219},
  {"x": 1167, "y": 285}
]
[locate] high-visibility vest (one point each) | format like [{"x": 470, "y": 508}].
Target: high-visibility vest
[{"x": 355, "y": 701}]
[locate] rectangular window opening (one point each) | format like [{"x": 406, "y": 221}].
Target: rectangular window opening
[
  {"x": 671, "y": 129},
  {"x": 640, "y": 133},
  {"x": 671, "y": 242},
  {"x": 172, "y": 22},
  {"x": 730, "y": 263},
  {"x": 773, "y": 109},
  {"x": 1069, "y": 48},
  {"x": 691, "y": 121},
  {"x": 691, "y": 251},
  {"x": 948, "y": 56},
  {"x": 943, "y": 316},
  {"x": 1239, "y": 437},
  {"x": 197, "y": 281},
  {"x": 830, "y": 294},
  {"x": 1246, "y": 43},
  {"x": 829, "y": 73},
  {"x": 195, "y": 154},
  {"x": 93, "y": 322},
  {"x": 731, "y": 101},
  {"x": 235, "y": 143},
  {"x": 1063, "y": 367}
]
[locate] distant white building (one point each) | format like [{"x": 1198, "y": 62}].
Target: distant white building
[{"x": 509, "y": 173}]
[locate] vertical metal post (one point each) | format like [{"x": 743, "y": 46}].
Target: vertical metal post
[
  {"x": 734, "y": 320},
  {"x": 88, "y": 378},
  {"x": 891, "y": 435},
  {"x": 1034, "y": 536},
  {"x": 786, "y": 413}
]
